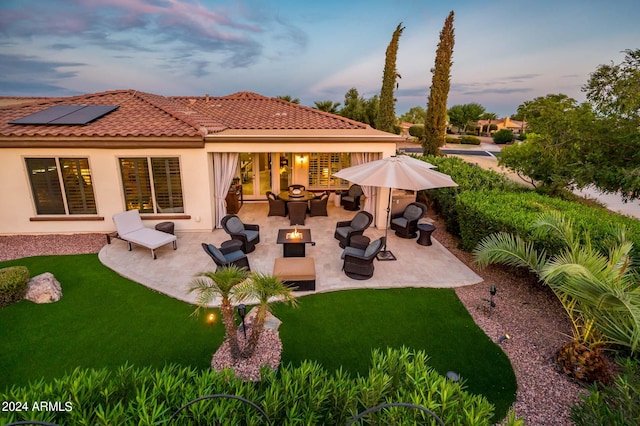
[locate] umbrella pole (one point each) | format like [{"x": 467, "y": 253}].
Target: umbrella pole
[{"x": 385, "y": 254}]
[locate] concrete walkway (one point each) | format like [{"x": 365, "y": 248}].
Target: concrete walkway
[{"x": 171, "y": 272}]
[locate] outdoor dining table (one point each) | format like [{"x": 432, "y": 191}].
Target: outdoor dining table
[{"x": 302, "y": 196}]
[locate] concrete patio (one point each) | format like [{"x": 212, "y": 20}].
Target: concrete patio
[{"x": 416, "y": 265}]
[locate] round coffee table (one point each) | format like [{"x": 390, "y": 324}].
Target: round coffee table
[{"x": 425, "y": 233}]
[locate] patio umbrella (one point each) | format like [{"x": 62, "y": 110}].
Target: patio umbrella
[{"x": 401, "y": 172}]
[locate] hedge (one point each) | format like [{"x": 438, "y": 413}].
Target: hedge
[
  {"x": 468, "y": 177},
  {"x": 305, "y": 394},
  {"x": 481, "y": 213}
]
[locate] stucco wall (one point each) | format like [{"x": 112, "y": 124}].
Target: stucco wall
[
  {"x": 196, "y": 168},
  {"x": 18, "y": 207}
]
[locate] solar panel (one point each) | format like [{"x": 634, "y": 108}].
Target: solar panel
[
  {"x": 67, "y": 114},
  {"x": 85, "y": 115}
]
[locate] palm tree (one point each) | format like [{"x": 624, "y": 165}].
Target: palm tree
[
  {"x": 223, "y": 284},
  {"x": 600, "y": 293},
  {"x": 288, "y": 98},
  {"x": 327, "y": 106},
  {"x": 264, "y": 288}
]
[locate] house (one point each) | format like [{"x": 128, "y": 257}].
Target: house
[
  {"x": 517, "y": 127},
  {"x": 69, "y": 164}
]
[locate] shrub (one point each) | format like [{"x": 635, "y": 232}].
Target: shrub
[
  {"x": 13, "y": 284},
  {"x": 503, "y": 136},
  {"x": 449, "y": 139},
  {"x": 615, "y": 404},
  {"x": 522, "y": 136},
  {"x": 468, "y": 177},
  {"x": 417, "y": 130},
  {"x": 481, "y": 213},
  {"x": 470, "y": 140},
  {"x": 305, "y": 394}
]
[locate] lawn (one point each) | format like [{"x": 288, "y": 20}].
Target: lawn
[{"x": 105, "y": 320}]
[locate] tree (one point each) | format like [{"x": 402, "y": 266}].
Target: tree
[
  {"x": 264, "y": 288},
  {"x": 436, "y": 117},
  {"x": 221, "y": 284},
  {"x": 288, "y": 98},
  {"x": 386, "y": 118},
  {"x": 415, "y": 115},
  {"x": 489, "y": 116},
  {"x": 599, "y": 291},
  {"x": 558, "y": 127},
  {"x": 327, "y": 106},
  {"x": 358, "y": 109},
  {"x": 462, "y": 116},
  {"x": 614, "y": 90}
]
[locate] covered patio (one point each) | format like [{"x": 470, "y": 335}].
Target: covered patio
[{"x": 417, "y": 265}]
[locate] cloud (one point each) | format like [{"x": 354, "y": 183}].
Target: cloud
[
  {"x": 21, "y": 72},
  {"x": 17, "y": 88},
  {"x": 230, "y": 38}
]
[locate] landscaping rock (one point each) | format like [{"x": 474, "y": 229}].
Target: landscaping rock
[{"x": 43, "y": 288}]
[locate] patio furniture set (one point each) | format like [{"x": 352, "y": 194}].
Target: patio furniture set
[{"x": 293, "y": 268}]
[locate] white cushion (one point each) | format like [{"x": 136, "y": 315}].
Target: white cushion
[{"x": 149, "y": 238}]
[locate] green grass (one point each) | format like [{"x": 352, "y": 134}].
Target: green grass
[{"x": 104, "y": 320}]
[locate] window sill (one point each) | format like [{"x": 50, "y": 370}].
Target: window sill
[
  {"x": 65, "y": 218},
  {"x": 164, "y": 216}
]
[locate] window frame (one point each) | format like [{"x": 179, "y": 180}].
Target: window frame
[
  {"x": 153, "y": 196},
  {"x": 62, "y": 188}
]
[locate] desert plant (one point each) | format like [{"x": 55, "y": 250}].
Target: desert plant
[
  {"x": 615, "y": 404},
  {"x": 599, "y": 292},
  {"x": 503, "y": 136},
  {"x": 13, "y": 284},
  {"x": 222, "y": 283},
  {"x": 265, "y": 288}
]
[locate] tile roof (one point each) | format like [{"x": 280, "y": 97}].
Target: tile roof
[
  {"x": 138, "y": 115},
  {"x": 146, "y": 115},
  {"x": 248, "y": 110}
]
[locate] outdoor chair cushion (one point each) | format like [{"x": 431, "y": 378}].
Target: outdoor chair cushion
[
  {"x": 413, "y": 212},
  {"x": 217, "y": 254},
  {"x": 235, "y": 225},
  {"x": 360, "y": 221}
]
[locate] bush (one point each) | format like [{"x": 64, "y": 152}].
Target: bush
[
  {"x": 468, "y": 177},
  {"x": 522, "y": 136},
  {"x": 13, "y": 284},
  {"x": 615, "y": 404},
  {"x": 305, "y": 394},
  {"x": 470, "y": 140},
  {"x": 481, "y": 213},
  {"x": 417, "y": 130},
  {"x": 449, "y": 139},
  {"x": 503, "y": 136}
]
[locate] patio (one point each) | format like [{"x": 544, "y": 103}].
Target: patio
[{"x": 417, "y": 266}]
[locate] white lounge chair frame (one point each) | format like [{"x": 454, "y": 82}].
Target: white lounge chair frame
[{"x": 130, "y": 229}]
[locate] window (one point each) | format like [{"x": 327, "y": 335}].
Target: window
[
  {"x": 48, "y": 177},
  {"x": 322, "y": 166},
  {"x": 152, "y": 185}
]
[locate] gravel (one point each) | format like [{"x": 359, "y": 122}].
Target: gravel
[{"x": 527, "y": 311}]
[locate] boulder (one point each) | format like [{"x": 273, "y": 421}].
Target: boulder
[{"x": 43, "y": 288}]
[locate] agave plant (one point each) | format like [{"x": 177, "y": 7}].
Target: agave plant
[
  {"x": 265, "y": 289},
  {"x": 600, "y": 292},
  {"x": 222, "y": 284}
]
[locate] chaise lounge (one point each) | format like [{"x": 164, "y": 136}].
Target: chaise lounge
[{"x": 130, "y": 229}]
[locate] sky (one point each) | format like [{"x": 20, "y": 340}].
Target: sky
[{"x": 506, "y": 52}]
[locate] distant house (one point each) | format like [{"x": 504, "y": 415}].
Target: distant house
[
  {"x": 70, "y": 164},
  {"x": 517, "y": 127}
]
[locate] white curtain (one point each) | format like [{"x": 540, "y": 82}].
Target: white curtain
[
  {"x": 370, "y": 192},
  {"x": 224, "y": 168}
]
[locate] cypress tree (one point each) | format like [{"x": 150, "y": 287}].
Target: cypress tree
[
  {"x": 386, "y": 119},
  {"x": 436, "y": 115}
]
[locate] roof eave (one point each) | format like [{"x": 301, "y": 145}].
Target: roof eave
[{"x": 102, "y": 142}]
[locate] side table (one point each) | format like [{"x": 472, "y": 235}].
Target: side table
[
  {"x": 230, "y": 246},
  {"x": 425, "y": 233},
  {"x": 360, "y": 242},
  {"x": 167, "y": 227}
]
